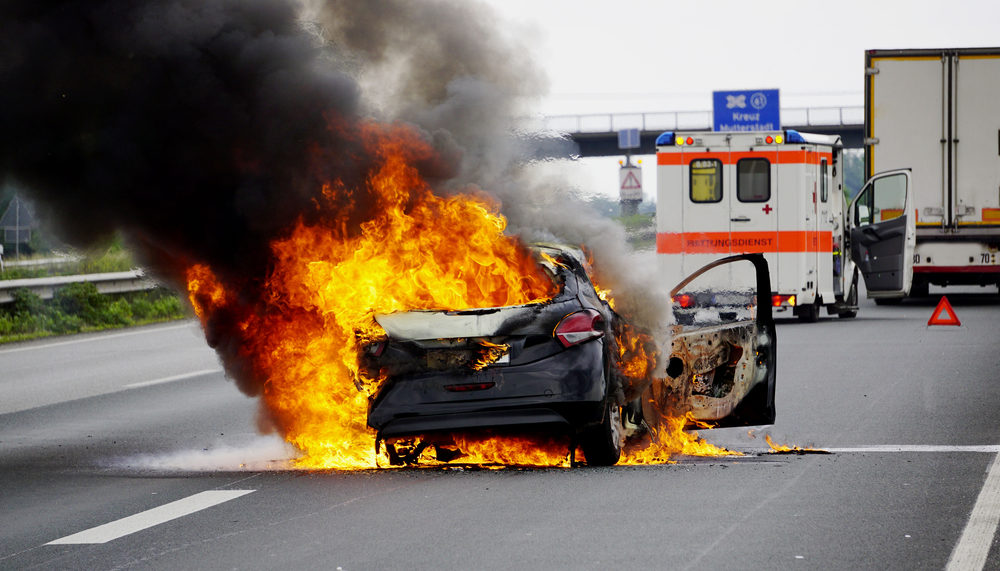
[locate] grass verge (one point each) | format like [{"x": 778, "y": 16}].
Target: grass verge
[{"x": 78, "y": 308}]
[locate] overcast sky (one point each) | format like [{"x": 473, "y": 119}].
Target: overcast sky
[
  {"x": 649, "y": 55},
  {"x": 629, "y": 54}
]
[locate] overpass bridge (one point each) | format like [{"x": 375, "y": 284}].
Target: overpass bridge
[{"x": 597, "y": 134}]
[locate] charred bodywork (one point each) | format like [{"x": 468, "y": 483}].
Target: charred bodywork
[
  {"x": 555, "y": 365},
  {"x": 723, "y": 354},
  {"x": 538, "y": 364}
]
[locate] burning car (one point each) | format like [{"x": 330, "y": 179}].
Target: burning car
[{"x": 566, "y": 365}]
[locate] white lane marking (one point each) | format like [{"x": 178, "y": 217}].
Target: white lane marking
[
  {"x": 173, "y": 378},
  {"x": 149, "y": 518},
  {"x": 93, "y": 338},
  {"x": 974, "y": 546},
  {"x": 993, "y": 449}
]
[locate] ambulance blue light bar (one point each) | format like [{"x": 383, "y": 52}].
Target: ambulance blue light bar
[
  {"x": 670, "y": 139},
  {"x": 793, "y": 136},
  {"x": 665, "y": 139}
]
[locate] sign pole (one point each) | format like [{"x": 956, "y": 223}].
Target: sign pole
[
  {"x": 629, "y": 176},
  {"x": 17, "y": 228}
]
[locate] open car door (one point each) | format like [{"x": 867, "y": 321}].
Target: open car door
[
  {"x": 723, "y": 352},
  {"x": 883, "y": 234}
]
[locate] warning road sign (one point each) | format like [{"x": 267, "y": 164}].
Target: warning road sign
[
  {"x": 630, "y": 183},
  {"x": 943, "y": 314}
]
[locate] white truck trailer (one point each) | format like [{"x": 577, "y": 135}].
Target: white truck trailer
[{"x": 937, "y": 112}]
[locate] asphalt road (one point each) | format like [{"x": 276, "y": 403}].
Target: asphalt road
[{"x": 142, "y": 425}]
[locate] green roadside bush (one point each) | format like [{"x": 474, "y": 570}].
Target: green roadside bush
[
  {"x": 113, "y": 257},
  {"x": 79, "y": 307}
]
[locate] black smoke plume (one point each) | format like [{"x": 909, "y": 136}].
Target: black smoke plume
[
  {"x": 200, "y": 128},
  {"x": 203, "y": 129}
]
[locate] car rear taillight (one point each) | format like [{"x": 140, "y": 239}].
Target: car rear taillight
[
  {"x": 375, "y": 349},
  {"x": 578, "y": 327},
  {"x": 684, "y": 300}
]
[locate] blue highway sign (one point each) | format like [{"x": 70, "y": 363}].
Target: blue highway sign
[{"x": 755, "y": 110}]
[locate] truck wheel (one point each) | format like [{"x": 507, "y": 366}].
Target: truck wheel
[
  {"x": 809, "y": 313},
  {"x": 602, "y": 444}
]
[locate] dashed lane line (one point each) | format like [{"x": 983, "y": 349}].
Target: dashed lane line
[
  {"x": 173, "y": 378},
  {"x": 149, "y": 518}
]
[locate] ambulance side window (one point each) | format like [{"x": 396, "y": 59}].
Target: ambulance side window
[
  {"x": 823, "y": 192},
  {"x": 753, "y": 180},
  {"x": 706, "y": 180}
]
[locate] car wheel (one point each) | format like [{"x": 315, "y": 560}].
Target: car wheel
[{"x": 602, "y": 444}]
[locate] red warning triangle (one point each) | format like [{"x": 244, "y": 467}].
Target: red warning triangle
[
  {"x": 943, "y": 314},
  {"x": 631, "y": 182}
]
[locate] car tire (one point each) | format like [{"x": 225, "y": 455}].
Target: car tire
[{"x": 602, "y": 444}]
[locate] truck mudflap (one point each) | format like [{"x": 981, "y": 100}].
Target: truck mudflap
[{"x": 723, "y": 354}]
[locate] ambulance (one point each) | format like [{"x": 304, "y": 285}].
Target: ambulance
[{"x": 780, "y": 193}]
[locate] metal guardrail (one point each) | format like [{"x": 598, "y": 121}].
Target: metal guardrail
[
  {"x": 45, "y": 288},
  {"x": 694, "y": 120},
  {"x": 40, "y": 262}
]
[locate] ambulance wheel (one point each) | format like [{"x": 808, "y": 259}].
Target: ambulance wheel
[{"x": 809, "y": 313}]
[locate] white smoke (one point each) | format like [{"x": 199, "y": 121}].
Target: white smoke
[{"x": 260, "y": 453}]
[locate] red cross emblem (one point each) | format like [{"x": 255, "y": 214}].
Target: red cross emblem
[{"x": 767, "y": 209}]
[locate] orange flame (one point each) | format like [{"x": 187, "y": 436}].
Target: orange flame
[
  {"x": 486, "y": 450},
  {"x": 782, "y": 449},
  {"x": 489, "y": 354},
  {"x": 669, "y": 439},
  {"x": 204, "y": 290},
  {"x": 302, "y": 338},
  {"x": 418, "y": 251}
]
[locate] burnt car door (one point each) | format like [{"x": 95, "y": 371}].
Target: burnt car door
[
  {"x": 722, "y": 359},
  {"x": 883, "y": 234}
]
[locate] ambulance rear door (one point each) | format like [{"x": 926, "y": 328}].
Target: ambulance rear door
[
  {"x": 796, "y": 215},
  {"x": 753, "y": 222},
  {"x": 706, "y": 211}
]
